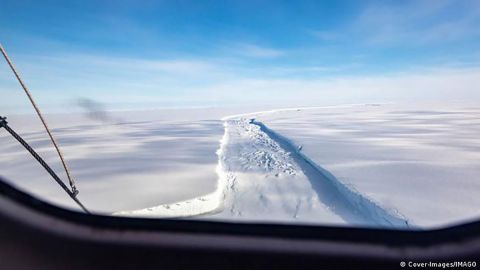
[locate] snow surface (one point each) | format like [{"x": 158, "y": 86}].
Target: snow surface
[
  {"x": 140, "y": 160},
  {"x": 375, "y": 165},
  {"x": 267, "y": 179},
  {"x": 420, "y": 163}
]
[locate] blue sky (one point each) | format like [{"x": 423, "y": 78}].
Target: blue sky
[{"x": 143, "y": 54}]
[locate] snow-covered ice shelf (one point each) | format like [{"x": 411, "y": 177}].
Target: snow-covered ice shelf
[
  {"x": 138, "y": 161},
  {"x": 361, "y": 165},
  {"x": 420, "y": 163},
  {"x": 268, "y": 179}
]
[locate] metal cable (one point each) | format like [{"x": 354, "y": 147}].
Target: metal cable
[
  {"x": 4, "y": 124},
  {"x": 30, "y": 97}
]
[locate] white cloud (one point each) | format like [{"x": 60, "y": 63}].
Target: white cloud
[
  {"x": 203, "y": 82},
  {"x": 415, "y": 86},
  {"x": 418, "y": 22},
  {"x": 170, "y": 66},
  {"x": 326, "y": 35},
  {"x": 252, "y": 50}
]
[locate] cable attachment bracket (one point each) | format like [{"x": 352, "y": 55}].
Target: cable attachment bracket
[{"x": 3, "y": 121}]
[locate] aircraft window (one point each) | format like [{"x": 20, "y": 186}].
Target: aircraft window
[{"x": 333, "y": 113}]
